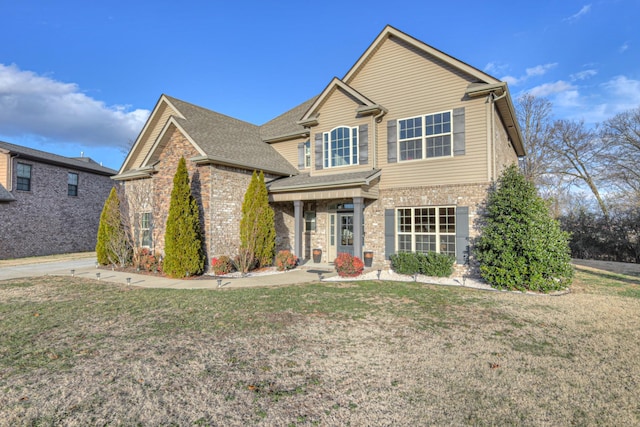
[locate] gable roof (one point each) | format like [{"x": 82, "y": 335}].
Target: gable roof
[
  {"x": 367, "y": 106},
  {"x": 218, "y": 138},
  {"x": 5, "y": 196},
  {"x": 390, "y": 31},
  {"x": 285, "y": 126},
  {"x": 83, "y": 163}
]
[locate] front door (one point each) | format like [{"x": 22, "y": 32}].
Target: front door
[{"x": 345, "y": 232}]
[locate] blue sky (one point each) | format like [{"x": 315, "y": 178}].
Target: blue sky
[{"x": 83, "y": 76}]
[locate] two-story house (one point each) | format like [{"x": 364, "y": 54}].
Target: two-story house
[
  {"x": 49, "y": 204},
  {"x": 397, "y": 155}
]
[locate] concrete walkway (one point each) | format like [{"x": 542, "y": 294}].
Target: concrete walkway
[{"x": 84, "y": 265}]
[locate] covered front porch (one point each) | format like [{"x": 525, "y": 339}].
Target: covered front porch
[{"x": 328, "y": 212}]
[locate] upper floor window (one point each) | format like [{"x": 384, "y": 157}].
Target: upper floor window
[
  {"x": 24, "y": 177},
  {"x": 72, "y": 184},
  {"x": 425, "y": 136},
  {"x": 307, "y": 154},
  {"x": 341, "y": 147}
]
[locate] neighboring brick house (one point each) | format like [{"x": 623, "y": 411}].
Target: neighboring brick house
[
  {"x": 397, "y": 155},
  {"x": 49, "y": 204}
]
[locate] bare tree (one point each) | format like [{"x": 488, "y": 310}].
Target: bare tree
[
  {"x": 621, "y": 134},
  {"x": 534, "y": 117},
  {"x": 579, "y": 156}
]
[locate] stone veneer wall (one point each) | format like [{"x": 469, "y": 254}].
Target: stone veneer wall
[
  {"x": 471, "y": 195},
  {"x": 45, "y": 220}
]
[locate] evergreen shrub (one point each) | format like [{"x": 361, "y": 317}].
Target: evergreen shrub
[{"x": 521, "y": 247}]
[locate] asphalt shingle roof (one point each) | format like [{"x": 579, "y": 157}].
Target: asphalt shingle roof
[
  {"x": 5, "y": 196},
  {"x": 286, "y": 123},
  {"x": 304, "y": 180},
  {"x": 229, "y": 140},
  {"x": 83, "y": 163}
]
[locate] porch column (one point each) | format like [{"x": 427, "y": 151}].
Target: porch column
[
  {"x": 297, "y": 229},
  {"x": 358, "y": 206}
]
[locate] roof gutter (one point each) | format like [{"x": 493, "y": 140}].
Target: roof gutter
[{"x": 336, "y": 184}]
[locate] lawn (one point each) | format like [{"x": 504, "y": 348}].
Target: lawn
[{"x": 80, "y": 352}]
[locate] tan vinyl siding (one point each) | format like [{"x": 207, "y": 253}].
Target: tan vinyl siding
[
  {"x": 505, "y": 153},
  {"x": 289, "y": 150},
  {"x": 151, "y": 133},
  {"x": 5, "y": 179},
  {"x": 338, "y": 110},
  {"x": 409, "y": 83}
]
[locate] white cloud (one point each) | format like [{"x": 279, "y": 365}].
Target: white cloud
[
  {"x": 623, "y": 94},
  {"x": 32, "y": 104},
  {"x": 585, "y": 9},
  {"x": 583, "y": 75},
  {"x": 548, "y": 89},
  {"x": 538, "y": 70},
  {"x": 624, "y": 47},
  {"x": 494, "y": 68}
]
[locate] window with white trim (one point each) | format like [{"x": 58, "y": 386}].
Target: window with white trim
[
  {"x": 425, "y": 137},
  {"x": 426, "y": 229},
  {"x": 340, "y": 147},
  {"x": 145, "y": 229}
]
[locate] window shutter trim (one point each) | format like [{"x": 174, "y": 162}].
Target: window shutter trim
[
  {"x": 301, "y": 155},
  {"x": 318, "y": 151},
  {"x": 389, "y": 232},
  {"x": 392, "y": 141},
  {"x": 363, "y": 144},
  {"x": 462, "y": 234},
  {"x": 458, "y": 132}
]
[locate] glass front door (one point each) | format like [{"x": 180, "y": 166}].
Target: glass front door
[{"x": 345, "y": 233}]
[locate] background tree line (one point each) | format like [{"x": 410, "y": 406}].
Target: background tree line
[{"x": 589, "y": 176}]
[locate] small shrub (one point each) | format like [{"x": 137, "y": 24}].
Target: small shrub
[
  {"x": 221, "y": 265},
  {"x": 146, "y": 260},
  {"x": 348, "y": 265},
  {"x": 405, "y": 263},
  {"x": 245, "y": 261},
  {"x": 285, "y": 260},
  {"x": 429, "y": 264}
]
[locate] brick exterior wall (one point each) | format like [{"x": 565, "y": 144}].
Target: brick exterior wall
[
  {"x": 219, "y": 191},
  {"x": 45, "y": 220}
]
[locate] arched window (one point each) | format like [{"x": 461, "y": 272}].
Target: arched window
[{"x": 341, "y": 147}]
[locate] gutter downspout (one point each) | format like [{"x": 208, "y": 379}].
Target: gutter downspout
[
  {"x": 492, "y": 100},
  {"x": 376, "y": 119}
]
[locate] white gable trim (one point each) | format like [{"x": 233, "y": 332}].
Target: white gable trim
[
  {"x": 161, "y": 135},
  {"x": 335, "y": 84}
]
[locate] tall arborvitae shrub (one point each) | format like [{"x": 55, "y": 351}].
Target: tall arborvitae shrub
[
  {"x": 112, "y": 246},
  {"x": 521, "y": 246},
  {"x": 257, "y": 226},
  {"x": 183, "y": 240}
]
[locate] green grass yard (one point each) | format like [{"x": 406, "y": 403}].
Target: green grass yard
[{"x": 81, "y": 352}]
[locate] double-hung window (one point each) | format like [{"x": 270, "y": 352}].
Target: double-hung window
[
  {"x": 340, "y": 147},
  {"x": 425, "y": 137},
  {"x": 145, "y": 229},
  {"x": 24, "y": 177},
  {"x": 72, "y": 184},
  {"x": 426, "y": 229}
]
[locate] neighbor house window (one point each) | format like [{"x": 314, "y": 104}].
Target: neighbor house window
[
  {"x": 426, "y": 229},
  {"x": 24, "y": 177},
  {"x": 341, "y": 147},
  {"x": 72, "y": 184},
  {"x": 425, "y": 136},
  {"x": 145, "y": 229}
]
